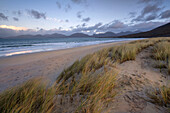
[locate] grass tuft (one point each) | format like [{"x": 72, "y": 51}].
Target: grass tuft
[
  {"x": 31, "y": 97},
  {"x": 160, "y": 96},
  {"x": 161, "y": 53}
]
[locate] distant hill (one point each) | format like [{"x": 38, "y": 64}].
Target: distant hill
[
  {"x": 162, "y": 31},
  {"x": 107, "y": 34},
  {"x": 111, "y": 34},
  {"x": 55, "y": 35},
  {"x": 79, "y": 35},
  {"x": 127, "y": 33}
]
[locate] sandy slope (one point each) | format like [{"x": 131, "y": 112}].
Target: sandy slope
[
  {"x": 17, "y": 69},
  {"x": 135, "y": 78}
]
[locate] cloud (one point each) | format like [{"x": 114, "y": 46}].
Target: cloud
[
  {"x": 86, "y": 19},
  {"x": 66, "y": 20},
  {"x": 3, "y": 17},
  {"x": 151, "y": 17},
  {"x": 132, "y": 14},
  {"x": 79, "y": 14},
  {"x": 145, "y": 26},
  {"x": 67, "y": 7},
  {"x": 15, "y": 19},
  {"x": 84, "y": 24},
  {"x": 36, "y": 14},
  {"x": 78, "y": 1},
  {"x": 150, "y": 1},
  {"x": 151, "y": 9},
  {"x": 18, "y": 13},
  {"x": 58, "y": 5},
  {"x": 165, "y": 14},
  {"x": 13, "y": 28},
  {"x": 116, "y": 24},
  {"x": 56, "y": 20}
]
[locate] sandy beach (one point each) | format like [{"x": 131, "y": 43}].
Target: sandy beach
[{"x": 15, "y": 70}]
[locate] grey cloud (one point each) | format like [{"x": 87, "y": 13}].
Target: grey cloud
[
  {"x": 151, "y": 9},
  {"x": 145, "y": 26},
  {"x": 67, "y": 7},
  {"x": 99, "y": 27},
  {"x": 84, "y": 24},
  {"x": 3, "y": 17},
  {"x": 80, "y": 28},
  {"x": 116, "y": 24},
  {"x": 15, "y": 19},
  {"x": 78, "y": 1},
  {"x": 18, "y": 13},
  {"x": 58, "y": 5},
  {"x": 165, "y": 14},
  {"x": 79, "y": 14},
  {"x": 36, "y": 14},
  {"x": 66, "y": 20},
  {"x": 148, "y": 9},
  {"x": 151, "y": 17},
  {"x": 132, "y": 14},
  {"x": 150, "y": 1},
  {"x": 86, "y": 19}
]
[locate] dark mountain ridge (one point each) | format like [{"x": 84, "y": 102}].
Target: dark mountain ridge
[{"x": 161, "y": 31}]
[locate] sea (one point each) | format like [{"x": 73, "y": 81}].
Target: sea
[{"x": 10, "y": 47}]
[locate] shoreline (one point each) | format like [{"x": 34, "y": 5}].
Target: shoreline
[
  {"x": 17, "y": 69},
  {"x": 37, "y": 49}
]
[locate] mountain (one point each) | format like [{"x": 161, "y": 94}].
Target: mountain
[
  {"x": 162, "y": 31},
  {"x": 107, "y": 34},
  {"x": 79, "y": 35},
  {"x": 55, "y": 35},
  {"x": 111, "y": 34},
  {"x": 127, "y": 33}
]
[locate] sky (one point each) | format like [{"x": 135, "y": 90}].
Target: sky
[{"x": 20, "y": 17}]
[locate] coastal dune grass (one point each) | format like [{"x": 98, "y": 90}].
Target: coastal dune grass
[
  {"x": 95, "y": 61},
  {"x": 88, "y": 83},
  {"x": 31, "y": 97},
  {"x": 162, "y": 54},
  {"x": 160, "y": 96}
]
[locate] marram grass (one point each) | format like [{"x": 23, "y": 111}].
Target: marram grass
[
  {"x": 161, "y": 52},
  {"x": 160, "y": 96},
  {"x": 31, "y": 97}
]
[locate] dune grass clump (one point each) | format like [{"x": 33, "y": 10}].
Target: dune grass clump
[
  {"x": 129, "y": 51},
  {"x": 95, "y": 90},
  {"x": 100, "y": 93},
  {"x": 160, "y": 96},
  {"x": 161, "y": 52},
  {"x": 31, "y": 97},
  {"x": 87, "y": 64}
]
